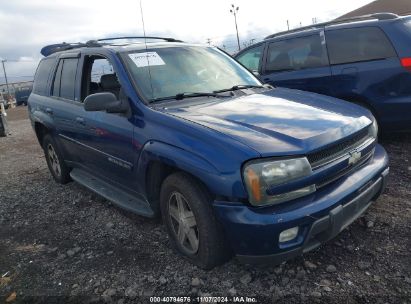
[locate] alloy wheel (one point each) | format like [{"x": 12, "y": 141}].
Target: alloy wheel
[
  {"x": 54, "y": 161},
  {"x": 183, "y": 222}
]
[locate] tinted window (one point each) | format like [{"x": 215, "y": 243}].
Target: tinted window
[
  {"x": 358, "y": 44},
  {"x": 68, "y": 78},
  {"x": 251, "y": 58},
  {"x": 42, "y": 76},
  {"x": 296, "y": 53},
  {"x": 57, "y": 80}
]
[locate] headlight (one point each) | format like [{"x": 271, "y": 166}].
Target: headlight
[
  {"x": 373, "y": 129},
  {"x": 259, "y": 176}
]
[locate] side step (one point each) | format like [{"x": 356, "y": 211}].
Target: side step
[{"x": 113, "y": 194}]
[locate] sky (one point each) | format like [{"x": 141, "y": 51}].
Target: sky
[{"x": 28, "y": 25}]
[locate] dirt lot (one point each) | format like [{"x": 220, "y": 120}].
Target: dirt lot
[{"x": 65, "y": 244}]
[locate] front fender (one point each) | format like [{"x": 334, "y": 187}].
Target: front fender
[{"x": 220, "y": 184}]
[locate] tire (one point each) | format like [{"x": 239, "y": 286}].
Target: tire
[
  {"x": 198, "y": 220},
  {"x": 55, "y": 162}
]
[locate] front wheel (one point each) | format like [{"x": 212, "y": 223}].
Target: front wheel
[{"x": 190, "y": 221}]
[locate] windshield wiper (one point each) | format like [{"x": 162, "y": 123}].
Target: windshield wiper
[
  {"x": 180, "y": 96},
  {"x": 239, "y": 87}
]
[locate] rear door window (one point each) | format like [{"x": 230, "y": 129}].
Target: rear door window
[
  {"x": 65, "y": 79},
  {"x": 42, "y": 76},
  {"x": 68, "y": 78},
  {"x": 295, "y": 54},
  {"x": 57, "y": 80},
  {"x": 251, "y": 58},
  {"x": 358, "y": 44}
]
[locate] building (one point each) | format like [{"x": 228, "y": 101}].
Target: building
[{"x": 399, "y": 7}]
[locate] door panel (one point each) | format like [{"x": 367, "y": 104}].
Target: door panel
[
  {"x": 108, "y": 136},
  {"x": 365, "y": 68},
  {"x": 109, "y": 147},
  {"x": 64, "y": 109},
  {"x": 313, "y": 80},
  {"x": 298, "y": 63}
]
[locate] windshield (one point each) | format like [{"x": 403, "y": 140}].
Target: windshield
[{"x": 184, "y": 69}]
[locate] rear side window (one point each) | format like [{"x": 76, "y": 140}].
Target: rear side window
[
  {"x": 358, "y": 44},
  {"x": 57, "y": 80},
  {"x": 42, "y": 76},
  {"x": 295, "y": 54},
  {"x": 65, "y": 79},
  {"x": 251, "y": 58}
]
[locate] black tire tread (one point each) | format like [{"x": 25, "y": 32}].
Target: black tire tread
[
  {"x": 65, "y": 171},
  {"x": 213, "y": 248}
]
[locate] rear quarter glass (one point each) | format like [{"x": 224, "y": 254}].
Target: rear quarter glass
[
  {"x": 399, "y": 32},
  {"x": 42, "y": 76}
]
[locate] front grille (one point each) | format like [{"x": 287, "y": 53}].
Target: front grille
[
  {"x": 347, "y": 170},
  {"x": 321, "y": 157}
]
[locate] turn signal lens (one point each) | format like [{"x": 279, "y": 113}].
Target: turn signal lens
[{"x": 254, "y": 183}]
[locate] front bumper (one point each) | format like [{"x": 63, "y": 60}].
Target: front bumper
[{"x": 253, "y": 232}]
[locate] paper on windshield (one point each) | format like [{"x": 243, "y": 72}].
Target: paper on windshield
[{"x": 146, "y": 59}]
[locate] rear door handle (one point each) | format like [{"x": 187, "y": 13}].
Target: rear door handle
[
  {"x": 80, "y": 120},
  {"x": 49, "y": 111}
]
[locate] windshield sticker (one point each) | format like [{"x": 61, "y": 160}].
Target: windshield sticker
[{"x": 146, "y": 59}]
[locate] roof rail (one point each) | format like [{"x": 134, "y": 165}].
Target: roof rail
[
  {"x": 141, "y": 37},
  {"x": 378, "y": 16},
  {"x": 59, "y": 47}
]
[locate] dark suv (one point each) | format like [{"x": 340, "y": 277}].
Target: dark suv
[
  {"x": 184, "y": 131},
  {"x": 365, "y": 60}
]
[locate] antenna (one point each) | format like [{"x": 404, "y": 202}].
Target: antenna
[{"x": 145, "y": 43}]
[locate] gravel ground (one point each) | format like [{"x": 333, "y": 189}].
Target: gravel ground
[{"x": 66, "y": 244}]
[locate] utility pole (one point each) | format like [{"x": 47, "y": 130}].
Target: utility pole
[
  {"x": 288, "y": 26},
  {"x": 234, "y": 11},
  {"x": 5, "y": 77}
]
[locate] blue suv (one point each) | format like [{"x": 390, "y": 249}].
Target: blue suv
[
  {"x": 184, "y": 131},
  {"x": 365, "y": 60}
]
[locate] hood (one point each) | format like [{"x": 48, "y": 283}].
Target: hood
[{"x": 279, "y": 121}]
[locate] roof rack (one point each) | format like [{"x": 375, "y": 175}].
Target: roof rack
[
  {"x": 59, "y": 47},
  {"x": 378, "y": 16},
  {"x": 140, "y": 37}
]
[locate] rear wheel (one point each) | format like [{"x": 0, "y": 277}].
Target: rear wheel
[
  {"x": 191, "y": 224},
  {"x": 55, "y": 162}
]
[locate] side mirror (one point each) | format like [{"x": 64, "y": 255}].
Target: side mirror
[{"x": 104, "y": 101}]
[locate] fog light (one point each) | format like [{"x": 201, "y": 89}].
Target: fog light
[{"x": 288, "y": 235}]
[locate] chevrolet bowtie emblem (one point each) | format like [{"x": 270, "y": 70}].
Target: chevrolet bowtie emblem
[{"x": 355, "y": 156}]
